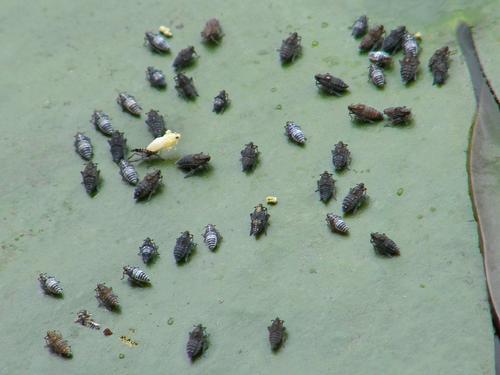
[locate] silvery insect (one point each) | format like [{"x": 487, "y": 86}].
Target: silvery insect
[
  {"x": 128, "y": 172},
  {"x": 129, "y": 104},
  {"x": 83, "y": 146},
  {"x": 136, "y": 275},
  {"x": 148, "y": 250},
  {"x": 102, "y": 122},
  {"x": 156, "y": 77},
  {"x": 50, "y": 284},
  {"x": 156, "y": 42},
  {"x": 295, "y": 133},
  {"x": 211, "y": 237}
]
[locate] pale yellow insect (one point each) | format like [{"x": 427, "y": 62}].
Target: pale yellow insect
[
  {"x": 167, "y": 142},
  {"x": 418, "y": 35},
  {"x": 165, "y": 31},
  {"x": 271, "y": 200}
]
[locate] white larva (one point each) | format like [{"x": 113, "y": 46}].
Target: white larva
[
  {"x": 83, "y": 146},
  {"x": 336, "y": 223},
  {"x": 166, "y": 142},
  {"x": 295, "y": 133},
  {"x": 50, "y": 284},
  {"x": 410, "y": 45},
  {"x": 136, "y": 274},
  {"x": 211, "y": 237},
  {"x": 376, "y": 75},
  {"x": 128, "y": 172}
]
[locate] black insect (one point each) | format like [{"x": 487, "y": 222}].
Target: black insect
[
  {"x": 106, "y": 297},
  {"x": 290, "y": 48},
  {"x": 184, "y": 246},
  {"x": 83, "y": 146},
  {"x": 393, "y": 42},
  {"x": 383, "y": 245},
  {"x": 156, "y": 42},
  {"x": 259, "y": 220},
  {"x": 90, "y": 177},
  {"x": 360, "y": 27},
  {"x": 376, "y": 75},
  {"x": 330, "y": 84},
  {"x": 410, "y": 44},
  {"x": 439, "y": 64},
  {"x": 184, "y": 58},
  {"x": 211, "y": 237},
  {"x": 128, "y": 172},
  {"x": 364, "y": 113},
  {"x": 295, "y": 133},
  {"x": 409, "y": 68},
  {"x": 101, "y": 122},
  {"x": 212, "y": 33},
  {"x": 336, "y": 223},
  {"x": 156, "y": 77},
  {"x": 156, "y": 124},
  {"x": 326, "y": 187},
  {"x": 129, "y": 104},
  {"x": 372, "y": 39},
  {"x": 148, "y": 186},
  {"x": 341, "y": 156},
  {"x": 197, "y": 342},
  {"x": 249, "y": 157},
  {"x": 382, "y": 59},
  {"x": 357, "y": 195},
  {"x": 276, "y": 333},
  {"x": 185, "y": 87},
  {"x": 398, "y": 115},
  {"x": 193, "y": 163},
  {"x": 118, "y": 146},
  {"x": 221, "y": 102},
  {"x": 148, "y": 250}
]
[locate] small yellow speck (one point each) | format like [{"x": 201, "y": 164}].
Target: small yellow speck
[
  {"x": 165, "y": 31},
  {"x": 418, "y": 35},
  {"x": 271, "y": 200}
]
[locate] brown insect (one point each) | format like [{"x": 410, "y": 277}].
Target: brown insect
[
  {"x": 57, "y": 344},
  {"x": 197, "y": 342},
  {"x": 398, "y": 115},
  {"x": 212, "y": 33},
  {"x": 276, "y": 333},
  {"x": 364, "y": 113},
  {"x": 372, "y": 39},
  {"x": 106, "y": 297},
  {"x": 383, "y": 245},
  {"x": 439, "y": 64}
]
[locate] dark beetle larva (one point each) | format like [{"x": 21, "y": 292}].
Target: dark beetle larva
[
  {"x": 295, "y": 133},
  {"x": 212, "y": 33},
  {"x": 398, "y": 115},
  {"x": 90, "y": 176},
  {"x": 355, "y": 198},
  {"x": 57, "y": 344},
  {"x": 383, "y": 245},
  {"x": 376, "y": 75},
  {"x": 409, "y": 68},
  {"x": 372, "y": 38},
  {"x": 148, "y": 186},
  {"x": 185, "y": 87},
  {"x": 290, "y": 48},
  {"x": 148, "y": 250},
  {"x": 106, "y": 297},
  {"x": 211, "y": 237},
  {"x": 156, "y": 42},
  {"x": 184, "y": 246},
  {"x": 392, "y": 43},
  {"x": 156, "y": 124},
  {"x": 360, "y": 27},
  {"x": 341, "y": 156},
  {"x": 193, "y": 163},
  {"x": 128, "y": 172},
  {"x": 117, "y": 146},
  {"x": 129, "y": 104},
  {"x": 136, "y": 275},
  {"x": 156, "y": 77},
  {"x": 439, "y": 65},
  {"x": 337, "y": 224},
  {"x": 410, "y": 44},
  {"x": 83, "y": 146},
  {"x": 259, "y": 220},
  {"x": 382, "y": 59},
  {"x": 249, "y": 157},
  {"x": 221, "y": 102},
  {"x": 101, "y": 122},
  {"x": 276, "y": 333},
  {"x": 184, "y": 58},
  {"x": 50, "y": 284},
  {"x": 197, "y": 342},
  {"x": 330, "y": 84},
  {"x": 364, "y": 113},
  {"x": 326, "y": 187}
]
